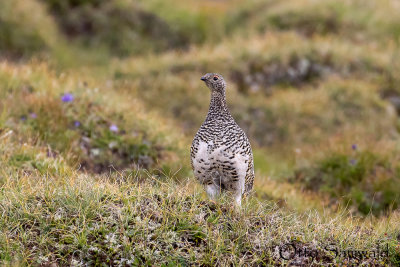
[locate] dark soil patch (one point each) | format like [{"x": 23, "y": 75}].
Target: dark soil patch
[
  {"x": 261, "y": 76},
  {"x": 308, "y": 24},
  {"x": 125, "y": 29},
  {"x": 258, "y": 75},
  {"x": 117, "y": 156},
  {"x": 392, "y": 95}
]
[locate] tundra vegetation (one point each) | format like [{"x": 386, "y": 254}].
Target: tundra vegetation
[{"x": 99, "y": 101}]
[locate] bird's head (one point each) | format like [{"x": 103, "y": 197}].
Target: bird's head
[{"x": 214, "y": 81}]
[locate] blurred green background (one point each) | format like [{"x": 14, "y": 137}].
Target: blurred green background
[
  {"x": 100, "y": 100},
  {"x": 315, "y": 84}
]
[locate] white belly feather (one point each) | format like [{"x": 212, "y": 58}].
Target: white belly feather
[{"x": 207, "y": 160}]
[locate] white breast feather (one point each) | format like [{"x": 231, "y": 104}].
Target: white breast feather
[{"x": 202, "y": 153}]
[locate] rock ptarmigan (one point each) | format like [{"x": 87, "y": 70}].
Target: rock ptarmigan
[{"x": 221, "y": 155}]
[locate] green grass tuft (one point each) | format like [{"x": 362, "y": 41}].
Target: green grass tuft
[{"x": 362, "y": 179}]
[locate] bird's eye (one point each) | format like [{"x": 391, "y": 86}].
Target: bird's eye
[{"x": 215, "y": 78}]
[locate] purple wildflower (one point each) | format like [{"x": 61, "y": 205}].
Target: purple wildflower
[
  {"x": 353, "y": 162},
  {"x": 33, "y": 115},
  {"x": 67, "y": 97},
  {"x": 113, "y": 128},
  {"x": 77, "y": 123},
  {"x": 23, "y": 118},
  {"x": 354, "y": 146}
]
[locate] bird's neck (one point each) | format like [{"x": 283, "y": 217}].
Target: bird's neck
[{"x": 218, "y": 106}]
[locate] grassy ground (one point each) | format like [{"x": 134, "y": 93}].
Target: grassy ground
[
  {"x": 66, "y": 217},
  {"x": 97, "y": 116}
]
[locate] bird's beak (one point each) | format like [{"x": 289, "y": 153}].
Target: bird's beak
[{"x": 203, "y": 78}]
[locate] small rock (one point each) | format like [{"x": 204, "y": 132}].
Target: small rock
[{"x": 395, "y": 101}]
